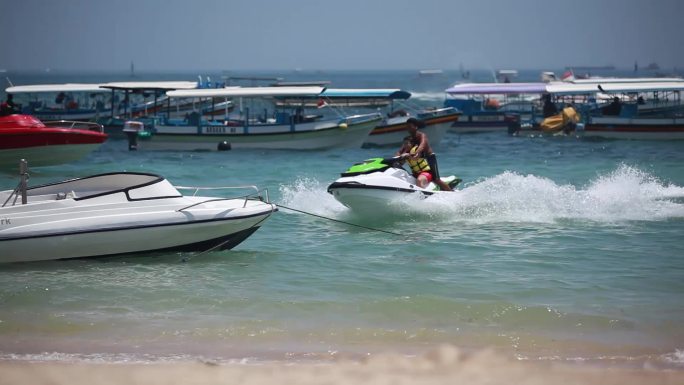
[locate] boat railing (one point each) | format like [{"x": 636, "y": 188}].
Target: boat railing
[
  {"x": 92, "y": 126},
  {"x": 361, "y": 118},
  {"x": 437, "y": 112},
  {"x": 20, "y": 190},
  {"x": 260, "y": 194}
]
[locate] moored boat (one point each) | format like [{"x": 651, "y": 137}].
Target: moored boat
[
  {"x": 45, "y": 143},
  {"x": 145, "y": 110},
  {"x": 648, "y": 128},
  {"x": 622, "y": 118},
  {"x": 492, "y": 107},
  {"x": 392, "y": 129},
  {"x": 121, "y": 213},
  {"x": 290, "y": 129},
  {"x": 70, "y": 101}
]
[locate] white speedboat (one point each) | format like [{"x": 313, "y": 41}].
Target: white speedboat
[
  {"x": 381, "y": 184},
  {"x": 122, "y": 213}
]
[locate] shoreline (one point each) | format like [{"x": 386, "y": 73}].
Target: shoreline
[
  {"x": 442, "y": 365},
  {"x": 628, "y": 354}
]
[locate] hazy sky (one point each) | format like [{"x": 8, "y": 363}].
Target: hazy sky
[{"x": 342, "y": 34}]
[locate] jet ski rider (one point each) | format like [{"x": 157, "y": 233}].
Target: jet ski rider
[{"x": 423, "y": 161}]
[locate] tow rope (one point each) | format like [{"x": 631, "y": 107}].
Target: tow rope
[{"x": 339, "y": 221}]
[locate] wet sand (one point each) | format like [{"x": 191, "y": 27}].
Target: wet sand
[{"x": 443, "y": 365}]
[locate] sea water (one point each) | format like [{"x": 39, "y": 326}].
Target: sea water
[{"x": 551, "y": 249}]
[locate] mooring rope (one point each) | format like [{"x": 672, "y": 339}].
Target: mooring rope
[
  {"x": 187, "y": 258},
  {"x": 339, "y": 221}
]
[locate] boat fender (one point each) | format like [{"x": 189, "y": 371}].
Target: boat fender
[
  {"x": 343, "y": 125},
  {"x": 223, "y": 146}
]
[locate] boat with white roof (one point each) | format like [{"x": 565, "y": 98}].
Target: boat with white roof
[
  {"x": 392, "y": 129},
  {"x": 253, "y": 126},
  {"x": 492, "y": 107},
  {"x": 69, "y": 101},
  {"x": 614, "y": 109}
]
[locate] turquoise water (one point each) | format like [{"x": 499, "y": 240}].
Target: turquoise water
[{"x": 553, "y": 248}]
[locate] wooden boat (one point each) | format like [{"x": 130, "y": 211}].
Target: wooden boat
[
  {"x": 70, "y": 101},
  {"x": 622, "y": 118},
  {"x": 628, "y": 122},
  {"x": 492, "y": 107},
  {"x": 93, "y": 101},
  {"x": 392, "y": 129},
  {"x": 634, "y": 128},
  {"x": 291, "y": 128}
]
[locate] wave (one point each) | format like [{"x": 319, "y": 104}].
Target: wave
[
  {"x": 675, "y": 358},
  {"x": 625, "y": 194}
]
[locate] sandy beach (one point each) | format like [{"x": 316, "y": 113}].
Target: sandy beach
[{"x": 443, "y": 365}]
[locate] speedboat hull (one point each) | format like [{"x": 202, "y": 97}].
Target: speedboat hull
[
  {"x": 121, "y": 213},
  {"x": 219, "y": 234},
  {"x": 45, "y": 155}
]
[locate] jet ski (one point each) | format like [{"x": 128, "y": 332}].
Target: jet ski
[{"x": 380, "y": 183}]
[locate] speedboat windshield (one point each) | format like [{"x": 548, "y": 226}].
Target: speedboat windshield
[{"x": 135, "y": 185}]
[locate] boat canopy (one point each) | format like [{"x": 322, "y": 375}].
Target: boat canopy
[
  {"x": 497, "y": 88},
  {"x": 44, "y": 88},
  {"x": 369, "y": 93},
  {"x": 236, "y": 92},
  {"x": 624, "y": 80},
  {"x": 321, "y": 83},
  {"x": 565, "y": 88},
  {"x": 162, "y": 85},
  {"x": 562, "y": 88}
]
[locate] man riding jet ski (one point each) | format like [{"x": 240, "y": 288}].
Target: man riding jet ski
[
  {"x": 382, "y": 183},
  {"x": 417, "y": 150},
  {"x": 379, "y": 183}
]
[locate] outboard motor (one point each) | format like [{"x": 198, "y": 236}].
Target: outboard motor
[
  {"x": 131, "y": 128},
  {"x": 513, "y": 122}
]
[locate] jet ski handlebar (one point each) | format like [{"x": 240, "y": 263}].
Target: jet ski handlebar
[{"x": 395, "y": 161}]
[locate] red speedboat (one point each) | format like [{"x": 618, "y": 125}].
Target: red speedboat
[{"x": 45, "y": 144}]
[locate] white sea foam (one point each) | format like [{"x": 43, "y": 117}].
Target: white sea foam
[
  {"x": 121, "y": 358},
  {"x": 676, "y": 358},
  {"x": 310, "y": 195},
  {"x": 625, "y": 194}
]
